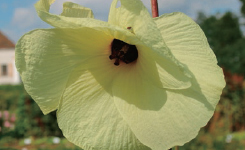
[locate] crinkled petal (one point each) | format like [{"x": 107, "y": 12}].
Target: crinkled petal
[
  {"x": 88, "y": 116},
  {"x": 177, "y": 115},
  {"x": 175, "y": 82},
  {"x": 45, "y": 58},
  {"x": 63, "y": 21},
  {"x": 132, "y": 13},
  {"x": 60, "y": 21},
  {"x": 44, "y": 5},
  {"x": 189, "y": 45},
  {"x": 74, "y": 10},
  {"x": 139, "y": 103},
  {"x": 160, "y": 118},
  {"x": 163, "y": 72}
]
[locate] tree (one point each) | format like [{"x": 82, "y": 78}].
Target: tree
[
  {"x": 225, "y": 38},
  {"x": 243, "y": 7}
]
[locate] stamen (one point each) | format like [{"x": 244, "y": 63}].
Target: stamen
[
  {"x": 111, "y": 57},
  {"x": 123, "y": 51},
  {"x": 116, "y": 62}
]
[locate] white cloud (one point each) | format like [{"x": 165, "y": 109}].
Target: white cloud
[
  {"x": 24, "y": 20},
  {"x": 24, "y": 17}
]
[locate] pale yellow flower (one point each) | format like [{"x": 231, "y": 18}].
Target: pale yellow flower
[{"x": 156, "y": 100}]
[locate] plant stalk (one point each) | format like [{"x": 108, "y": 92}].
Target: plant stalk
[{"x": 154, "y": 8}]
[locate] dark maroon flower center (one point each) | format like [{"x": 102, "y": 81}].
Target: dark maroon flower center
[{"x": 123, "y": 51}]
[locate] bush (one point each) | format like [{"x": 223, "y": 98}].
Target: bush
[{"x": 30, "y": 121}]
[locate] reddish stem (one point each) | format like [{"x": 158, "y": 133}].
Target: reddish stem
[{"x": 154, "y": 8}]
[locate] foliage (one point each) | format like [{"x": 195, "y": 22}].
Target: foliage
[
  {"x": 207, "y": 141},
  {"x": 43, "y": 143},
  {"x": 243, "y": 7},
  {"x": 30, "y": 121},
  {"x": 22, "y": 123},
  {"x": 9, "y": 94}
]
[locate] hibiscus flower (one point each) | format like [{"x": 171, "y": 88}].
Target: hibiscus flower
[{"x": 133, "y": 82}]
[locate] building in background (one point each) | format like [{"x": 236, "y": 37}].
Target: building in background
[{"x": 8, "y": 72}]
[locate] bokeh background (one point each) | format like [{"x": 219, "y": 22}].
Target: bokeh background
[{"x": 22, "y": 124}]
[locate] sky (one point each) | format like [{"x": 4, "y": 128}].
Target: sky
[{"x": 19, "y": 16}]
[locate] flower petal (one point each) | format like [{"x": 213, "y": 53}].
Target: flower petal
[
  {"x": 59, "y": 21},
  {"x": 132, "y": 13},
  {"x": 189, "y": 45},
  {"x": 160, "y": 118},
  {"x": 63, "y": 21},
  {"x": 176, "y": 82},
  {"x": 45, "y": 58},
  {"x": 177, "y": 115},
  {"x": 88, "y": 117},
  {"x": 74, "y": 10},
  {"x": 163, "y": 72}
]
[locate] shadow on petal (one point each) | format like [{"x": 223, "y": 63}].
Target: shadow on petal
[
  {"x": 131, "y": 86},
  {"x": 196, "y": 93},
  {"x": 137, "y": 83}
]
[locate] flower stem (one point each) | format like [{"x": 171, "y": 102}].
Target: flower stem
[{"x": 154, "y": 8}]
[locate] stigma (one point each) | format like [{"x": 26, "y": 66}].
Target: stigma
[{"x": 121, "y": 51}]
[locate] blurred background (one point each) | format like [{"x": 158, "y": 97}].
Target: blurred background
[{"x": 22, "y": 124}]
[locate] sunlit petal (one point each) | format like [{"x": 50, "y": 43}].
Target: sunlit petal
[
  {"x": 45, "y": 58},
  {"x": 59, "y": 21},
  {"x": 43, "y": 6},
  {"x": 74, "y": 10},
  {"x": 132, "y": 13}
]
